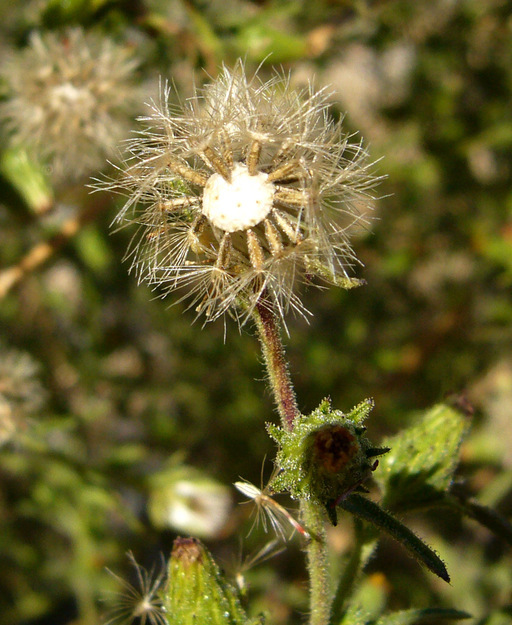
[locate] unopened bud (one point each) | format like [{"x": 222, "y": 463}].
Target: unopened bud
[
  {"x": 326, "y": 456},
  {"x": 198, "y": 593}
]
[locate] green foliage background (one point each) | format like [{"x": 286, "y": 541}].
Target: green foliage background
[{"x": 131, "y": 384}]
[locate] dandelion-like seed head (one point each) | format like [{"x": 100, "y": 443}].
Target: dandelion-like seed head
[
  {"x": 243, "y": 192},
  {"x": 142, "y": 601},
  {"x": 70, "y": 95}
]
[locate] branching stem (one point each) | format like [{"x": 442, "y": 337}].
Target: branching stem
[{"x": 44, "y": 250}]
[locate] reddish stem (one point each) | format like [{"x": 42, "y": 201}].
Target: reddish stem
[{"x": 274, "y": 355}]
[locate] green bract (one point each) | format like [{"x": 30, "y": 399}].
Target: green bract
[{"x": 326, "y": 456}]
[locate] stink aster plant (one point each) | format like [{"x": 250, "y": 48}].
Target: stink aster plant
[
  {"x": 239, "y": 194},
  {"x": 244, "y": 191}
]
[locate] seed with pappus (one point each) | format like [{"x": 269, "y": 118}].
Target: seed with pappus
[
  {"x": 141, "y": 603},
  {"x": 243, "y": 192},
  {"x": 269, "y": 508},
  {"x": 69, "y": 99}
]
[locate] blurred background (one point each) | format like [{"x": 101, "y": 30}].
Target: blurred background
[{"x": 124, "y": 424}]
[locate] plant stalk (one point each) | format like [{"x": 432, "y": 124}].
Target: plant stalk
[
  {"x": 275, "y": 362},
  {"x": 317, "y": 563},
  {"x": 284, "y": 396}
]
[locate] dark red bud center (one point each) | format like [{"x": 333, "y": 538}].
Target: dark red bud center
[{"x": 334, "y": 447}]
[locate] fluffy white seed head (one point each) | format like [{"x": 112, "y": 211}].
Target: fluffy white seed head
[
  {"x": 69, "y": 99},
  {"x": 243, "y": 192}
]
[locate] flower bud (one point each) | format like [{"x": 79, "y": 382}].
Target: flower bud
[
  {"x": 326, "y": 456},
  {"x": 197, "y": 591}
]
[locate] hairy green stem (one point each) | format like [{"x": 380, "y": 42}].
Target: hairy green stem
[
  {"x": 284, "y": 395},
  {"x": 317, "y": 562}
]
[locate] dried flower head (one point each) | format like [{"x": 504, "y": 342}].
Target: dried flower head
[
  {"x": 246, "y": 189},
  {"x": 69, "y": 98}
]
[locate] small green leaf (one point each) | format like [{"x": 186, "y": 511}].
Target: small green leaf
[
  {"x": 367, "y": 510},
  {"x": 355, "y": 615},
  {"x": 206, "y": 35},
  {"x": 342, "y": 605},
  {"x": 411, "y": 617},
  {"x": 63, "y": 11},
  {"x": 501, "y": 616},
  {"x": 260, "y": 40},
  {"x": 423, "y": 458},
  {"x": 489, "y": 518}
]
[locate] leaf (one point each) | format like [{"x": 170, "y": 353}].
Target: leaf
[
  {"x": 498, "y": 617},
  {"x": 93, "y": 250},
  {"x": 404, "y": 617},
  {"x": 355, "y": 615},
  {"x": 28, "y": 178},
  {"x": 318, "y": 268},
  {"x": 349, "y": 576},
  {"x": 64, "y": 11},
  {"x": 369, "y": 511},
  {"x": 410, "y": 617},
  {"x": 423, "y": 458},
  {"x": 489, "y": 518},
  {"x": 207, "y": 38},
  {"x": 269, "y": 33}
]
